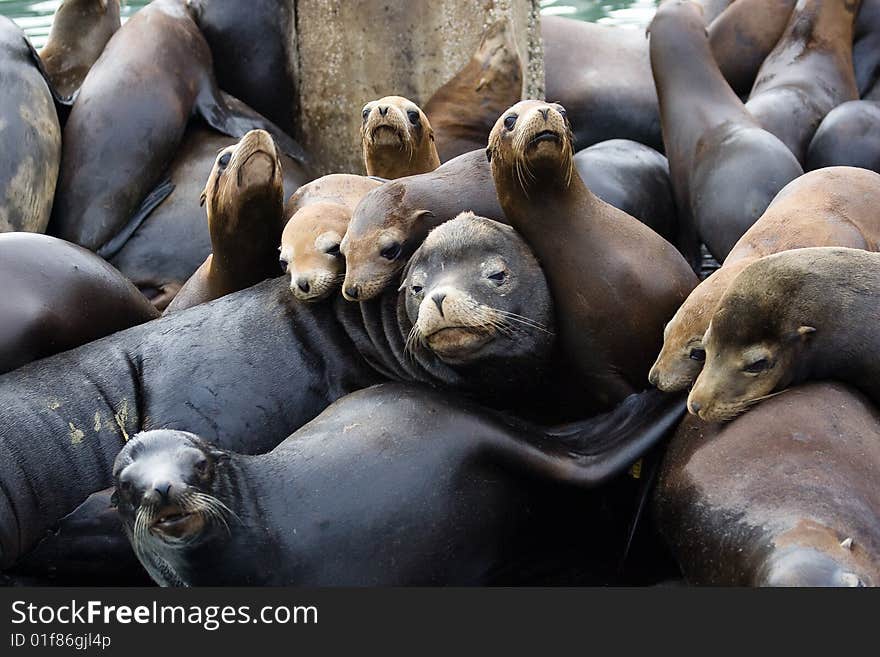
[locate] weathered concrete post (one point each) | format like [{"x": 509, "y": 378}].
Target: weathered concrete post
[{"x": 354, "y": 51}]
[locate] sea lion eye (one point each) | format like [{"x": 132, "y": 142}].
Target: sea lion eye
[
  {"x": 562, "y": 111},
  {"x": 510, "y": 121},
  {"x": 413, "y": 117},
  {"x": 758, "y": 366},
  {"x": 391, "y": 252},
  {"x": 124, "y": 486},
  {"x": 416, "y": 289},
  {"x": 365, "y": 113},
  {"x": 224, "y": 160},
  {"x": 284, "y": 265},
  {"x": 498, "y": 277},
  {"x": 698, "y": 355},
  {"x": 201, "y": 467},
  {"x": 333, "y": 250}
]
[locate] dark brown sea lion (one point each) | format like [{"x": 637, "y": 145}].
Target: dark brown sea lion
[
  {"x": 244, "y": 201},
  {"x": 465, "y": 497},
  {"x": 397, "y": 139},
  {"x": 80, "y": 30},
  {"x": 786, "y": 495},
  {"x": 130, "y": 117},
  {"x": 391, "y": 222},
  {"x": 787, "y": 318},
  {"x": 866, "y": 46},
  {"x": 830, "y": 207},
  {"x": 849, "y": 135},
  {"x": 463, "y": 111},
  {"x": 57, "y": 296},
  {"x": 615, "y": 282},
  {"x": 712, "y": 9},
  {"x": 30, "y": 135},
  {"x": 725, "y": 168},
  {"x": 161, "y": 251},
  {"x": 809, "y": 72}
]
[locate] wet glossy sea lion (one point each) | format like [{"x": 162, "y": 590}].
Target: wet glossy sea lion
[
  {"x": 244, "y": 201},
  {"x": 57, "y": 296},
  {"x": 130, "y": 117},
  {"x": 632, "y": 177},
  {"x": 866, "y": 46},
  {"x": 615, "y": 282},
  {"x": 463, "y": 111},
  {"x": 172, "y": 241},
  {"x": 849, "y": 135},
  {"x": 80, "y": 30},
  {"x": 809, "y": 72},
  {"x": 725, "y": 168},
  {"x": 390, "y": 222},
  {"x": 790, "y": 317},
  {"x": 466, "y": 497},
  {"x": 397, "y": 139},
  {"x": 829, "y": 207},
  {"x": 30, "y": 135},
  {"x": 786, "y": 495}
]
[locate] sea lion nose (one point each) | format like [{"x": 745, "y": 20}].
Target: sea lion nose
[
  {"x": 352, "y": 292},
  {"x": 303, "y": 284},
  {"x": 383, "y": 110},
  {"x": 695, "y": 407},
  {"x": 163, "y": 488},
  {"x": 438, "y": 301},
  {"x": 545, "y": 112}
]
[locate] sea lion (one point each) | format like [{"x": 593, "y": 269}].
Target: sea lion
[
  {"x": 253, "y": 48},
  {"x": 390, "y": 222},
  {"x": 743, "y": 35},
  {"x": 397, "y": 139},
  {"x": 611, "y": 313},
  {"x": 866, "y": 46},
  {"x": 463, "y": 111},
  {"x": 130, "y": 117},
  {"x": 787, "y": 318},
  {"x": 632, "y": 177},
  {"x": 466, "y": 497},
  {"x": 80, "y": 30},
  {"x": 785, "y": 495},
  {"x": 712, "y": 9},
  {"x": 172, "y": 241},
  {"x": 57, "y": 296},
  {"x": 849, "y": 135},
  {"x": 725, "y": 168},
  {"x": 808, "y": 73},
  {"x": 829, "y": 207},
  {"x": 244, "y": 199},
  {"x": 30, "y": 134}
]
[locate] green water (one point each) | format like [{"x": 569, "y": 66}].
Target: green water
[{"x": 36, "y": 17}]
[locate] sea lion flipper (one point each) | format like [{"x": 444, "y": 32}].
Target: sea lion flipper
[{"x": 151, "y": 202}]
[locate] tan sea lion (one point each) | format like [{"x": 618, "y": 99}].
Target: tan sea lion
[
  {"x": 830, "y": 207},
  {"x": 614, "y": 281},
  {"x": 793, "y": 316},
  {"x": 80, "y": 30},
  {"x": 397, "y": 139},
  {"x": 244, "y": 199},
  {"x": 463, "y": 111}
]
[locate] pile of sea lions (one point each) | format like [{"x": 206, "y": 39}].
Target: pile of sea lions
[{"x": 502, "y": 356}]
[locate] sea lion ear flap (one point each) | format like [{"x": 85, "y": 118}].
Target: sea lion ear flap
[
  {"x": 203, "y": 197},
  {"x": 489, "y": 154},
  {"x": 804, "y": 331}
]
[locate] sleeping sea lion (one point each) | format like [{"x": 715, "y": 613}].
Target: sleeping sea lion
[{"x": 849, "y": 135}]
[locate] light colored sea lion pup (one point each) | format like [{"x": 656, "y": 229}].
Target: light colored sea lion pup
[
  {"x": 80, "y": 30},
  {"x": 244, "y": 199},
  {"x": 397, "y": 139},
  {"x": 829, "y": 207},
  {"x": 799, "y": 315}
]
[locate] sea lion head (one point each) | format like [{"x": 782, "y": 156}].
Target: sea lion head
[
  {"x": 310, "y": 250},
  {"x": 397, "y": 138},
  {"x": 384, "y": 231},
  {"x": 244, "y": 174},
  {"x": 166, "y": 484},
  {"x": 474, "y": 290},
  {"x": 753, "y": 345},
  {"x": 531, "y": 143}
]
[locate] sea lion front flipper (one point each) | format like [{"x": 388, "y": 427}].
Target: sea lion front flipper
[
  {"x": 151, "y": 202},
  {"x": 229, "y": 115}
]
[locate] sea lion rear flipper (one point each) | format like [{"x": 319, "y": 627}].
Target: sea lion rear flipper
[
  {"x": 229, "y": 115},
  {"x": 150, "y": 203}
]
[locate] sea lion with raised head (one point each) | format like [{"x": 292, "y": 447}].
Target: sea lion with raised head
[
  {"x": 397, "y": 139},
  {"x": 244, "y": 199},
  {"x": 130, "y": 117},
  {"x": 808, "y": 73},
  {"x": 467, "y": 497},
  {"x": 829, "y": 207},
  {"x": 785, "y": 495},
  {"x": 80, "y": 30},
  {"x": 725, "y": 167},
  {"x": 463, "y": 111},
  {"x": 615, "y": 282},
  {"x": 787, "y": 318},
  {"x": 849, "y": 135},
  {"x": 30, "y": 134}
]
